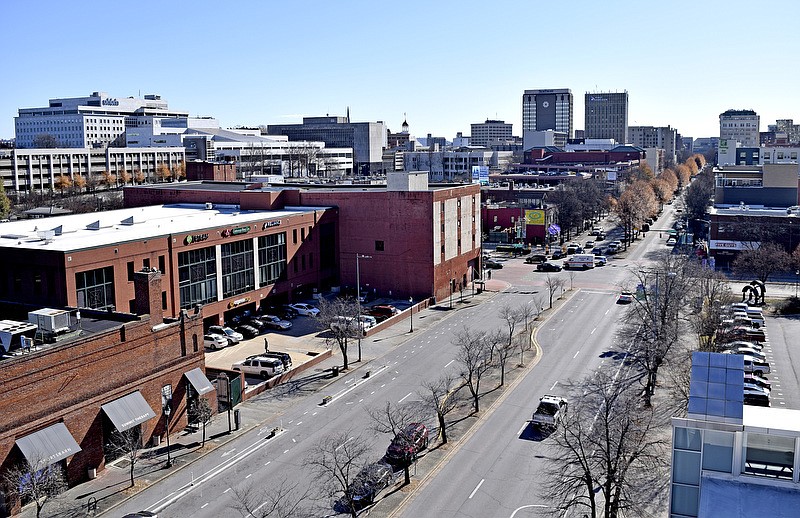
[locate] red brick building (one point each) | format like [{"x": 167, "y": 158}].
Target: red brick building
[{"x": 74, "y": 394}]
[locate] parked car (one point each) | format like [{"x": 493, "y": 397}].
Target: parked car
[
  {"x": 536, "y": 259},
  {"x": 599, "y": 250},
  {"x": 595, "y": 231},
  {"x": 247, "y": 331},
  {"x": 741, "y": 343},
  {"x": 369, "y": 482},
  {"x": 348, "y": 326},
  {"x": 141, "y": 514},
  {"x": 672, "y": 241},
  {"x": 407, "y": 444},
  {"x": 285, "y": 359},
  {"x": 382, "y": 311},
  {"x": 761, "y": 381},
  {"x": 368, "y": 321},
  {"x": 273, "y": 322},
  {"x": 625, "y": 297},
  {"x": 755, "y": 366},
  {"x": 288, "y": 312},
  {"x": 233, "y": 337},
  {"x": 755, "y": 396},
  {"x": 255, "y": 322},
  {"x": 305, "y": 309},
  {"x": 215, "y": 342},
  {"x": 284, "y": 312},
  {"x": 259, "y": 366},
  {"x": 748, "y": 384},
  {"x": 548, "y": 267},
  {"x": 492, "y": 264},
  {"x": 748, "y": 352}
]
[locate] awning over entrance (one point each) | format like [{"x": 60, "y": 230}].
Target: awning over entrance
[
  {"x": 199, "y": 381},
  {"x": 128, "y": 411},
  {"x": 48, "y": 446}
]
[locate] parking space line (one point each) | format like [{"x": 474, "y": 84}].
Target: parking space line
[{"x": 476, "y": 488}]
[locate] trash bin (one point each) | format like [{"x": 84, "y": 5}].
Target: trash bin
[
  {"x": 237, "y": 418},
  {"x": 335, "y": 370}
]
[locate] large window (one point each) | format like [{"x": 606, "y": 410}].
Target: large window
[
  {"x": 197, "y": 272},
  {"x": 271, "y": 258},
  {"x": 95, "y": 288},
  {"x": 238, "y": 275}
]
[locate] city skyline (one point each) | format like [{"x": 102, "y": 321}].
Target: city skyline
[{"x": 252, "y": 64}]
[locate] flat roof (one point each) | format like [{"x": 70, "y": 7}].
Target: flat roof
[
  {"x": 96, "y": 229},
  {"x": 769, "y": 420},
  {"x": 751, "y": 211}
]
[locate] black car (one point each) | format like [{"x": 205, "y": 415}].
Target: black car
[
  {"x": 369, "y": 482},
  {"x": 285, "y": 359},
  {"x": 557, "y": 254},
  {"x": 492, "y": 265},
  {"x": 247, "y": 331},
  {"x": 548, "y": 267},
  {"x": 536, "y": 259},
  {"x": 288, "y": 312},
  {"x": 255, "y": 322}
]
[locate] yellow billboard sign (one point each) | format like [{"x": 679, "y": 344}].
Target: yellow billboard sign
[{"x": 534, "y": 217}]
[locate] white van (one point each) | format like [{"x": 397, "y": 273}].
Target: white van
[{"x": 584, "y": 261}]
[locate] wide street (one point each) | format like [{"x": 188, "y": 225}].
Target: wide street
[{"x": 496, "y": 472}]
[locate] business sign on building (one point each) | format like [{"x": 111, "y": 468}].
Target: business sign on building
[
  {"x": 484, "y": 174},
  {"x": 724, "y": 244},
  {"x": 476, "y": 174},
  {"x": 534, "y": 217}
]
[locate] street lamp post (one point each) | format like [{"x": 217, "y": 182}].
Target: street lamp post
[
  {"x": 167, "y": 412},
  {"x": 358, "y": 299},
  {"x": 411, "y": 308}
]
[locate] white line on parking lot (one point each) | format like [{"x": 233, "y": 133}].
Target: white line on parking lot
[
  {"x": 476, "y": 488},
  {"x": 299, "y": 423},
  {"x": 448, "y": 363},
  {"x": 267, "y": 463},
  {"x": 226, "y": 491},
  {"x": 593, "y": 330},
  {"x": 522, "y": 429},
  {"x": 285, "y": 452},
  {"x": 404, "y": 397},
  {"x": 576, "y": 354},
  {"x": 248, "y": 476},
  {"x": 204, "y": 505}
]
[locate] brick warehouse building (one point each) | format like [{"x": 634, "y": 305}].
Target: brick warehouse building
[
  {"x": 63, "y": 401},
  {"x": 423, "y": 240}
]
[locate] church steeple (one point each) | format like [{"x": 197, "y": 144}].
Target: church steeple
[{"x": 405, "y": 124}]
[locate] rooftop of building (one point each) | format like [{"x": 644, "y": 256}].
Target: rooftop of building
[
  {"x": 753, "y": 211},
  {"x": 96, "y": 229},
  {"x": 733, "y": 113}
]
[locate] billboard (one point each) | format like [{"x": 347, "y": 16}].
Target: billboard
[
  {"x": 545, "y": 112},
  {"x": 480, "y": 174},
  {"x": 476, "y": 174},
  {"x": 534, "y": 217}
]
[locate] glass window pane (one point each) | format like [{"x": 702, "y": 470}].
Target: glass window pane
[
  {"x": 686, "y": 467},
  {"x": 718, "y": 451},
  {"x": 768, "y": 455},
  {"x": 688, "y": 439},
  {"x": 685, "y": 500}
]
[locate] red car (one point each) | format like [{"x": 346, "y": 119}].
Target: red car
[
  {"x": 382, "y": 311},
  {"x": 407, "y": 444}
]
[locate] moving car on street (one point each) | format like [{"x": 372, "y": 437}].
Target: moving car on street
[
  {"x": 548, "y": 267},
  {"x": 550, "y": 411}
]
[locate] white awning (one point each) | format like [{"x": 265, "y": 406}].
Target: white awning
[
  {"x": 199, "y": 381},
  {"x": 48, "y": 446},
  {"x": 128, "y": 411}
]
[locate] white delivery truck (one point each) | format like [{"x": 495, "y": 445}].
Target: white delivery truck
[{"x": 580, "y": 261}]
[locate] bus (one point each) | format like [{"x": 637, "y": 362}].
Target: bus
[{"x": 516, "y": 249}]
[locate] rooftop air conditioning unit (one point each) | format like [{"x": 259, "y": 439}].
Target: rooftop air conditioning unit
[
  {"x": 50, "y": 320},
  {"x": 209, "y": 205}
]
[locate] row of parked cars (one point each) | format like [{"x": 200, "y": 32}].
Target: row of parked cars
[
  {"x": 742, "y": 331},
  {"x": 375, "y": 477},
  {"x": 249, "y": 325}
]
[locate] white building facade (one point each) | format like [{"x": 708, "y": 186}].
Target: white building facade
[
  {"x": 492, "y": 130},
  {"x": 741, "y": 126},
  {"x": 444, "y": 165},
  {"x": 97, "y": 120},
  {"x": 661, "y": 137}
]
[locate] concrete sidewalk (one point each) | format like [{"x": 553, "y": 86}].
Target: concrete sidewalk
[{"x": 112, "y": 486}]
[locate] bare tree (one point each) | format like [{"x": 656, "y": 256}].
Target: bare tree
[
  {"x": 553, "y": 284},
  {"x": 443, "y": 395},
  {"x": 128, "y": 444},
  {"x": 35, "y": 480},
  {"x": 202, "y": 413},
  {"x": 527, "y": 313},
  {"x": 762, "y": 262},
  {"x": 571, "y": 275},
  {"x": 709, "y": 291},
  {"x": 503, "y": 342},
  {"x": 652, "y": 322},
  {"x": 474, "y": 355},
  {"x": 607, "y": 451},
  {"x": 393, "y": 419},
  {"x": 257, "y": 501},
  {"x": 336, "y": 460},
  {"x": 343, "y": 314}
]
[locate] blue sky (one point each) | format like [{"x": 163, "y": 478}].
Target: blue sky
[{"x": 446, "y": 64}]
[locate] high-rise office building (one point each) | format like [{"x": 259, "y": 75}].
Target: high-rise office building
[
  {"x": 485, "y": 132},
  {"x": 741, "y": 126},
  {"x": 663, "y": 137},
  {"x": 549, "y": 109},
  {"x": 606, "y": 116}
]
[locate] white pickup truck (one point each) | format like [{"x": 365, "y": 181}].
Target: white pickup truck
[{"x": 549, "y": 412}]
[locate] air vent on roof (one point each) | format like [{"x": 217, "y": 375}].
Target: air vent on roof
[
  {"x": 58, "y": 230},
  {"x": 46, "y": 235},
  {"x": 209, "y": 205},
  {"x": 93, "y": 226},
  {"x": 128, "y": 221}
]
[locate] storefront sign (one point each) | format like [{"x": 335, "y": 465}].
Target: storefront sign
[
  {"x": 722, "y": 244},
  {"x": 269, "y": 224},
  {"x": 188, "y": 240},
  {"x": 235, "y": 231}
]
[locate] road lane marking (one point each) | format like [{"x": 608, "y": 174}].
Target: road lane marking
[
  {"x": 404, "y": 397},
  {"x": 341, "y": 445},
  {"x": 299, "y": 423},
  {"x": 204, "y": 505},
  {"x": 267, "y": 463},
  {"x": 522, "y": 429},
  {"x": 593, "y": 330},
  {"x": 576, "y": 355},
  {"x": 448, "y": 363},
  {"x": 248, "y": 476},
  {"x": 226, "y": 491},
  {"x": 476, "y": 488},
  {"x": 554, "y": 385}
]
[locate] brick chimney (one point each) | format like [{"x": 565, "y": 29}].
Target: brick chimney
[{"x": 147, "y": 284}]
